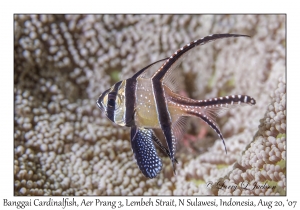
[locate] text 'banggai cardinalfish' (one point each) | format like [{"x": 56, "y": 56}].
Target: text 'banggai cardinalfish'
[{"x": 145, "y": 102}]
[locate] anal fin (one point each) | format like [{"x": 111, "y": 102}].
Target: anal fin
[{"x": 163, "y": 148}]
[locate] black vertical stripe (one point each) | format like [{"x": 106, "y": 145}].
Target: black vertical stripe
[
  {"x": 130, "y": 88},
  {"x": 111, "y": 110},
  {"x": 163, "y": 114},
  {"x": 116, "y": 86}
]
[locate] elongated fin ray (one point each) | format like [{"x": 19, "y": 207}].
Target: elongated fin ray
[
  {"x": 144, "y": 151},
  {"x": 211, "y": 122},
  {"x": 216, "y": 106},
  {"x": 218, "y": 111},
  {"x": 213, "y": 125},
  {"x": 178, "y": 56}
]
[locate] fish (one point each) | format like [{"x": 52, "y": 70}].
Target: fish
[{"x": 149, "y": 101}]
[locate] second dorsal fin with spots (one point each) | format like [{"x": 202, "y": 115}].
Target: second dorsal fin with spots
[{"x": 208, "y": 109}]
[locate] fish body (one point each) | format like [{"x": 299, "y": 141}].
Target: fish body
[{"x": 149, "y": 100}]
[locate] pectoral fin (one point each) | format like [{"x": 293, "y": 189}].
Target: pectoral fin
[{"x": 148, "y": 70}]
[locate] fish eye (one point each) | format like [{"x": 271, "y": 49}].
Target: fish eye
[{"x": 113, "y": 100}]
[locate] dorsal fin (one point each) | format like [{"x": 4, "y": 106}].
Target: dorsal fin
[
  {"x": 174, "y": 80},
  {"x": 180, "y": 54},
  {"x": 153, "y": 67}
]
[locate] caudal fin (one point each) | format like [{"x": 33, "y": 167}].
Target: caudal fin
[{"x": 208, "y": 109}]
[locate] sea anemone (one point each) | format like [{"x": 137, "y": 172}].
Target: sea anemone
[{"x": 64, "y": 145}]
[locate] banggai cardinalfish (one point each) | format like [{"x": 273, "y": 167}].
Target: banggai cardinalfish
[{"x": 151, "y": 101}]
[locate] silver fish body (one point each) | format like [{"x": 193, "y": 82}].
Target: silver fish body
[{"x": 149, "y": 101}]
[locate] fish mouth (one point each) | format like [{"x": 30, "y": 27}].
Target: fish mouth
[{"x": 99, "y": 102}]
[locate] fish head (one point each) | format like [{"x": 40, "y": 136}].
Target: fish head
[{"x": 112, "y": 103}]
